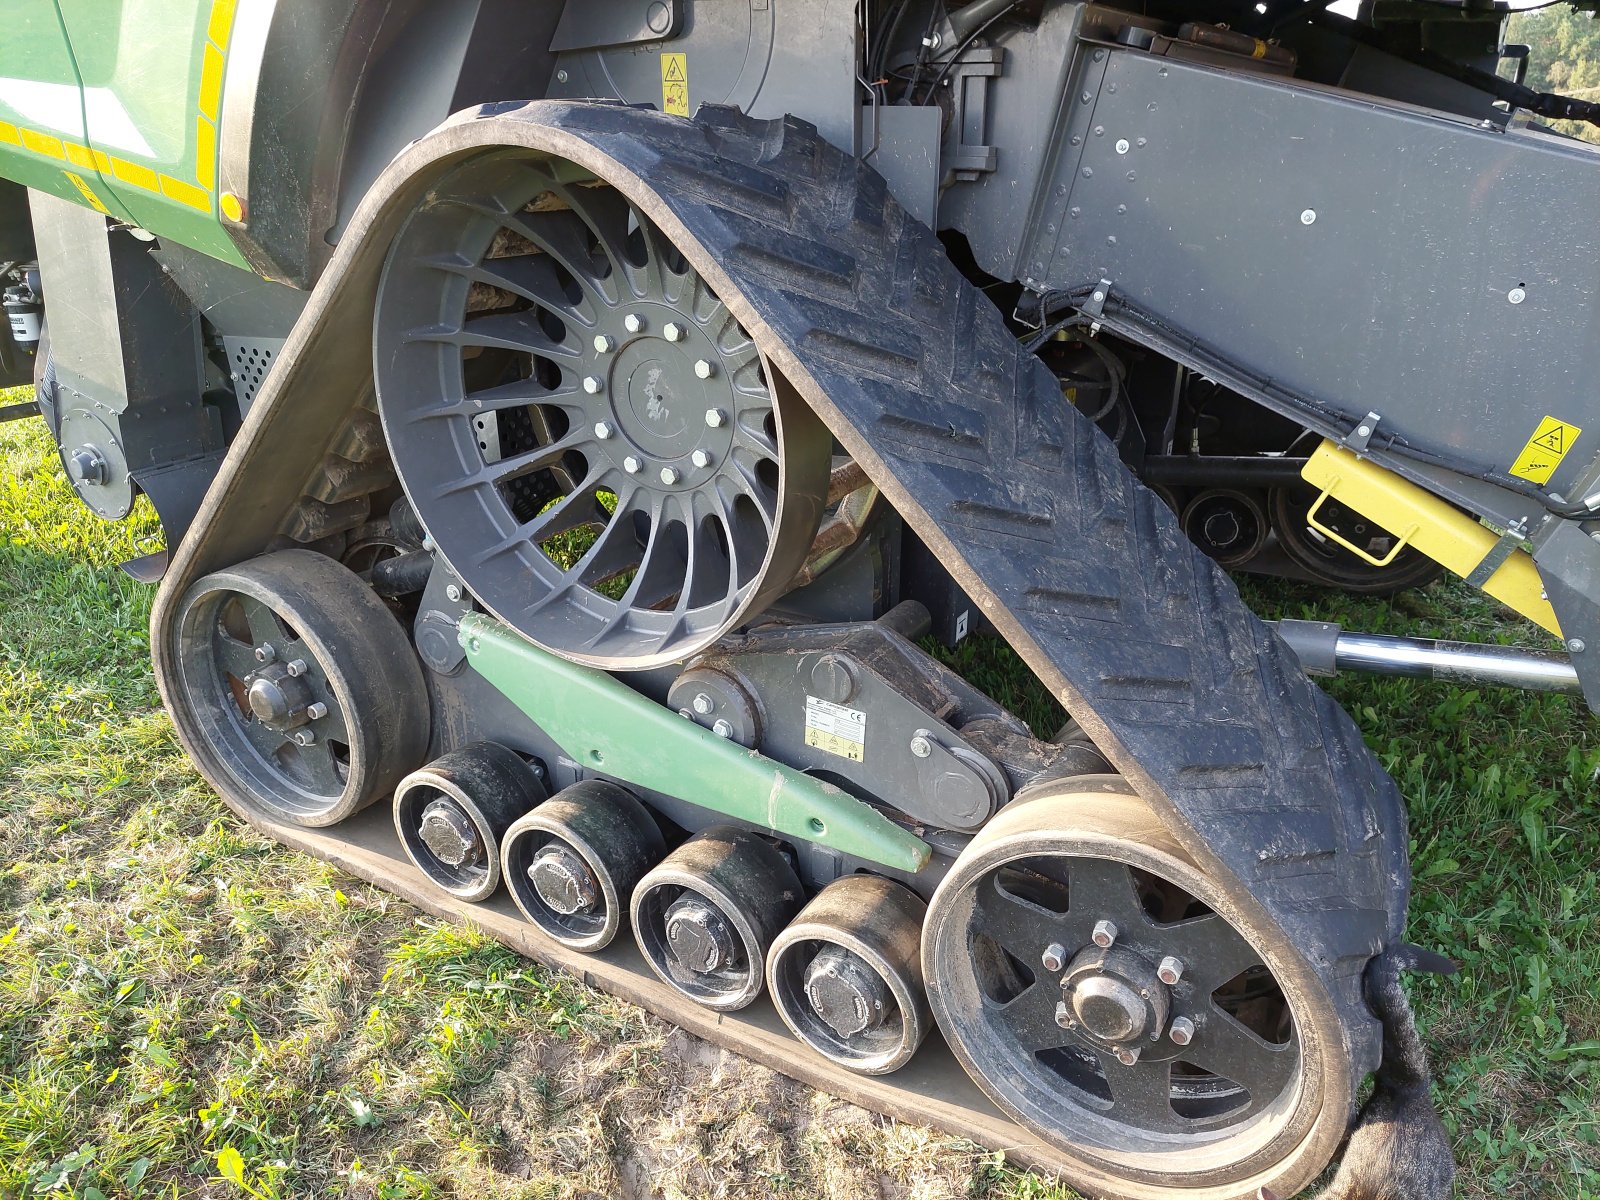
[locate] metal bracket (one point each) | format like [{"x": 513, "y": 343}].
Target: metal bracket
[
  {"x": 971, "y": 156},
  {"x": 590, "y": 26},
  {"x": 1510, "y": 541},
  {"x": 1095, "y": 306},
  {"x": 614, "y": 731},
  {"x": 1359, "y": 437}
]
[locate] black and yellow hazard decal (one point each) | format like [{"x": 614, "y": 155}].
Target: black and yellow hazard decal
[
  {"x": 1545, "y": 450},
  {"x": 675, "y": 84}
]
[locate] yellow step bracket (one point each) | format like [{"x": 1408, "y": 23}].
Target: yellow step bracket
[{"x": 1421, "y": 520}]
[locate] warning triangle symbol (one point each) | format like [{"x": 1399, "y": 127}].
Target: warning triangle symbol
[
  {"x": 674, "y": 72},
  {"x": 1552, "y": 441}
]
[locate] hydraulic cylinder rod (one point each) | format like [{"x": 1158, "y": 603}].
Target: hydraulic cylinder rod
[{"x": 1325, "y": 649}]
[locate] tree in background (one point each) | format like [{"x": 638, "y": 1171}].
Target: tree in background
[{"x": 1565, "y": 57}]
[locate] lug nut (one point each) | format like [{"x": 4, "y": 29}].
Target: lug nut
[
  {"x": 603, "y": 430},
  {"x": 316, "y": 710},
  {"x": 266, "y": 652},
  {"x": 722, "y": 729},
  {"x": 700, "y": 458},
  {"x": 632, "y": 465},
  {"x": 1182, "y": 1031},
  {"x": 1127, "y": 1057},
  {"x": 669, "y": 475},
  {"x": 716, "y": 418},
  {"x": 703, "y": 704},
  {"x": 593, "y": 384},
  {"x": 603, "y": 344},
  {"x": 1064, "y": 1016},
  {"x": 672, "y": 331},
  {"x": 1170, "y": 970},
  {"x": 633, "y": 322},
  {"x": 303, "y": 737},
  {"x": 1105, "y": 933},
  {"x": 1054, "y": 956},
  {"x": 704, "y": 369},
  {"x": 296, "y": 668}
]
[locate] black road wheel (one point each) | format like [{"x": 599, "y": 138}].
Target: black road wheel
[
  {"x": 302, "y": 687},
  {"x": 1329, "y": 562},
  {"x": 595, "y": 444},
  {"x": 1082, "y": 970}
]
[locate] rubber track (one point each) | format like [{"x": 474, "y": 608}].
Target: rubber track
[{"x": 1083, "y": 568}]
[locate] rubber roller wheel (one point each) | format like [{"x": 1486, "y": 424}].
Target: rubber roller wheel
[
  {"x": 1098, "y": 987},
  {"x": 452, "y": 813},
  {"x": 706, "y": 915},
  {"x": 300, "y": 691},
  {"x": 572, "y": 863},
  {"x": 846, "y": 975}
]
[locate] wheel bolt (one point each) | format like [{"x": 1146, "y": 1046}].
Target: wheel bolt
[
  {"x": 603, "y": 344},
  {"x": 593, "y": 384},
  {"x": 1064, "y": 1016},
  {"x": 303, "y": 737},
  {"x": 669, "y": 475},
  {"x": 704, "y": 369},
  {"x": 316, "y": 710},
  {"x": 672, "y": 331},
  {"x": 266, "y": 652},
  {"x": 632, "y": 465},
  {"x": 633, "y": 322},
  {"x": 602, "y": 430},
  {"x": 296, "y": 668},
  {"x": 716, "y": 418},
  {"x": 700, "y": 458},
  {"x": 1105, "y": 933},
  {"x": 1128, "y": 1057},
  {"x": 1170, "y": 970},
  {"x": 1054, "y": 956},
  {"x": 722, "y": 729},
  {"x": 703, "y": 704},
  {"x": 1182, "y": 1031}
]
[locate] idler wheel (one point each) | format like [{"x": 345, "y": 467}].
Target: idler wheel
[
  {"x": 706, "y": 915},
  {"x": 452, "y": 813},
  {"x": 572, "y": 862},
  {"x": 846, "y": 975}
]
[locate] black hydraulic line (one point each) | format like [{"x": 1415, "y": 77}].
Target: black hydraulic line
[
  {"x": 403, "y": 575},
  {"x": 961, "y": 49},
  {"x": 18, "y": 412}
]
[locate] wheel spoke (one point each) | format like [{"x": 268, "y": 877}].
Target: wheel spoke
[
  {"x": 1141, "y": 1095},
  {"x": 1213, "y": 952},
  {"x": 1225, "y": 1047},
  {"x": 263, "y": 622},
  {"x": 579, "y": 507},
  {"x": 1031, "y": 1017},
  {"x": 1102, "y": 888},
  {"x": 562, "y": 235},
  {"x": 332, "y": 727},
  {"x": 1022, "y": 928},
  {"x": 234, "y": 657},
  {"x": 320, "y": 768}
]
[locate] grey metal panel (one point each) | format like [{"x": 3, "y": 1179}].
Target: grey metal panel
[
  {"x": 584, "y": 26},
  {"x": 904, "y": 149},
  {"x": 1393, "y": 297},
  {"x": 233, "y": 300}
]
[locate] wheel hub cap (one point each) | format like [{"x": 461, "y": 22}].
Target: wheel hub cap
[
  {"x": 449, "y": 835},
  {"x": 1116, "y": 996},
  {"x": 564, "y": 881},
  {"x": 698, "y": 936},
  {"x": 278, "y": 700},
  {"x": 846, "y": 993}
]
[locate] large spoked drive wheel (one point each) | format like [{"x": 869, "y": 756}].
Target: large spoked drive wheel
[
  {"x": 1081, "y": 970},
  {"x": 301, "y": 688},
  {"x": 595, "y": 444}
]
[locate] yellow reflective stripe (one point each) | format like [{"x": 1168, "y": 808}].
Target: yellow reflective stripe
[
  {"x": 80, "y": 156},
  {"x": 43, "y": 143},
  {"x": 87, "y": 192},
  {"x": 102, "y": 161},
  {"x": 211, "y": 82},
  {"x": 185, "y": 193},
  {"x": 221, "y": 24},
  {"x": 136, "y": 174},
  {"x": 8, "y": 134},
  {"x": 205, "y": 153}
]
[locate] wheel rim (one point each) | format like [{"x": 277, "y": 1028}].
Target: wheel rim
[
  {"x": 593, "y": 441},
  {"x": 227, "y": 680},
  {"x": 1218, "y": 1108}
]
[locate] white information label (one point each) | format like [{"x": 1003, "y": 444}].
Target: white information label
[{"x": 836, "y": 729}]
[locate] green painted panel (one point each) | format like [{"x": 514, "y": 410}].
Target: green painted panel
[
  {"x": 43, "y": 142},
  {"x": 607, "y": 725}
]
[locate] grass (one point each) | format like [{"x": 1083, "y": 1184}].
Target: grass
[{"x": 187, "y": 1009}]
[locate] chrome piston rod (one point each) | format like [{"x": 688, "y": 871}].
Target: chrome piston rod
[{"x": 1325, "y": 649}]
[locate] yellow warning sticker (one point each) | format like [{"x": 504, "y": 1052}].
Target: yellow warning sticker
[
  {"x": 1545, "y": 450},
  {"x": 675, "y": 84}
]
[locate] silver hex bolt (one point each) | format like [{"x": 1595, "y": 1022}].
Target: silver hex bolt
[
  {"x": 593, "y": 384},
  {"x": 303, "y": 737},
  {"x": 1127, "y": 1057},
  {"x": 921, "y": 746},
  {"x": 1064, "y": 1015},
  {"x": 266, "y": 652},
  {"x": 722, "y": 729},
  {"x": 632, "y": 465},
  {"x": 672, "y": 331},
  {"x": 1170, "y": 970},
  {"x": 1182, "y": 1031},
  {"x": 604, "y": 343},
  {"x": 633, "y": 323},
  {"x": 1054, "y": 956},
  {"x": 716, "y": 418},
  {"x": 296, "y": 668},
  {"x": 703, "y": 704},
  {"x": 1105, "y": 933},
  {"x": 669, "y": 475},
  {"x": 453, "y": 591},
  {"x": 704, "y": 368},
  {"x": 603, "y": 430},
  {"x": 700, "y": 459},
  {"x": 316, "y": 710}
]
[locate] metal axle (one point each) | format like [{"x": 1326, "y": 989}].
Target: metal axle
[{"x": 1325, "y": 649}]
